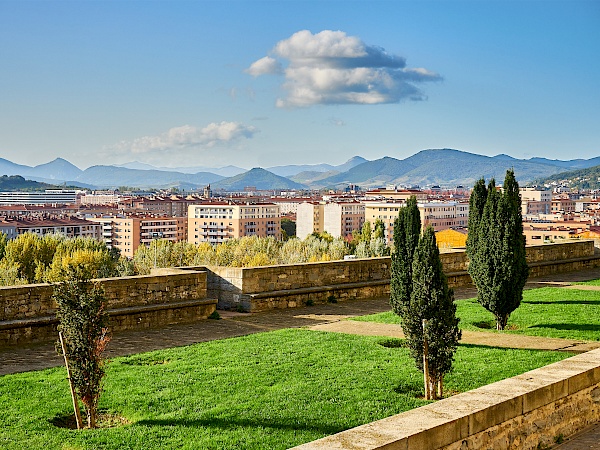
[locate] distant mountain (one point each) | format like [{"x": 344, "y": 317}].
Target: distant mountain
[
  {"x": 227, "y": 171},
  {"x": 310, "y": 177},
  {"x": 260, "y": 178},
  {"x": 439, "y": 166},
  {"x": 10, "y": 168},
  {"x": 379, "y": 172},
  {"x": 434, "y": 166},
  {"x": 137, "y": 166},
  {"x": 59, "y": 169},
  {"x": 293, "y": 170},
  {"x": 112, "y": 177},
  {"x": 352, "y": 162}
]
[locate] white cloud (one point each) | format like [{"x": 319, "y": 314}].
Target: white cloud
[
  {"x": 263, "y": 66},
  {"x": 185, "y": 137},
  {"x": 331, "y": 67}
]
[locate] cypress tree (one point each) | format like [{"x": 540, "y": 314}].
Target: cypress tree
[
  {"x": 431, "y": 300},
  {"x": 407, "y": 228},
  {"x": 476, "y": 204},
  {"x": 496, "y": 249}
]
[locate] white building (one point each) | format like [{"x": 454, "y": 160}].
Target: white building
[{"x": 49, "y": 196}]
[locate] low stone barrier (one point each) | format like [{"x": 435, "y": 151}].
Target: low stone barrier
[
  {"x": 294, "y": 285},
  {"x": 28, "y": 314},
  {"x": 530, "y": 411}
]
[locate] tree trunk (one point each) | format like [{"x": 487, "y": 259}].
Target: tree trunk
[
  {"x": 440, "y": 387},
  {"x": 426, "y": 378}
]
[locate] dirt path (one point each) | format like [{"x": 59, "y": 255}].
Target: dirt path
[{"x": 504, "y": 340}]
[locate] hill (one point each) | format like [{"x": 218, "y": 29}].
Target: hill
[
  {"x": 439, "y": 166},
  {"x": 588, "y": 178},
  {"x": 18, "y": 183},
  {"x": 260, "y": 178}
]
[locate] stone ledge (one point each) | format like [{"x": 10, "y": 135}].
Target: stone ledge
[
  {"x": 131, "y": 310},
  {"x": 564, "y": 396},
  {"x": 313, "y": 289}
]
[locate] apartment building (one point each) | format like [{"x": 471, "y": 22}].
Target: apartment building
[
  {"x": 174, "y": 205},
  {"x": 339, "y": 218},
  {"x": 564, "y": 205},
  {"x": 128, "y": 233},
  {"x": 69, "y": 227},
  {"x": 309, "y": 219},
  {"x": 216, "y": 222},
  {"x": 101, "y": 198},
  {"x": 535, "y": 200},
  {"x": 440, "y": 215},
  {"x": 393, "y": 193}
]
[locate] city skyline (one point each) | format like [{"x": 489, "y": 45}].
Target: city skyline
[{"x": 272, "y": 83}]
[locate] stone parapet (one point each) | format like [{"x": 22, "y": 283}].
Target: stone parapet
[
  {"x": 529, "y": 411},
  {"x": 294, "y": 285},
  {"x": 28, "y": 313}
]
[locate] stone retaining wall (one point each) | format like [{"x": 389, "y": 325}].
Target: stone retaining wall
[
  {"x": 293, "y": 285},
  {"x": 529, "y": 411},
  {"x": 27, "y": 313}
]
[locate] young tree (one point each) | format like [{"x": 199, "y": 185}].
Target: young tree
[
  {"x": 432, "y": 301},
  {"x": 83, "y": 323},
  {"x": 407, "y": 228},
  {"x": 496, "y": 249}
]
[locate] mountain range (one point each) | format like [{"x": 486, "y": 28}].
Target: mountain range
[{"x": 446, "y": 167}]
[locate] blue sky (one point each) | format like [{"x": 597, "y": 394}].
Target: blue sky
[{"x": 248, "y": 83}]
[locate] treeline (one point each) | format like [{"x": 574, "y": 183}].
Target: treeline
[{"x": 39, "y": 259}]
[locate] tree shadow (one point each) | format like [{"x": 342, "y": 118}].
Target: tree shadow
[
  {"x": 562, "y": 302},
  {"x": 229, "y": 423},
  {"x": 569, "y": 326}
]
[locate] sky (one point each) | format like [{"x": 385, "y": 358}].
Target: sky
[{"x": 267, "y": 83}]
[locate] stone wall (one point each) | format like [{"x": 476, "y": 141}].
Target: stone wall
[
  {"x": 293, "y": 285},
  {"x": 27, "y": 313},
  {"x": 529, "y": 411}
]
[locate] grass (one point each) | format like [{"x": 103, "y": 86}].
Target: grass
[
  {"x": 269, "y": 390},
  {"x": 589, "y": 283},
  {"x": 548, "y": 312}
]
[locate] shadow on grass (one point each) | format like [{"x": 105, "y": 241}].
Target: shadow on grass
[
  {"x": 230, "y": 423},
  {"x": 568, "y": 326},
  {"x": 562, "y": 302}
]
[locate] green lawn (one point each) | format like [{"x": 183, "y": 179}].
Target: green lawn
[
  {"x": 270, "y": 390},
  {"x": 550, "y": 312},
  {"x": 589, "y": 283}
]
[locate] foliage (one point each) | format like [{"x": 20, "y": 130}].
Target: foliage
[
  {"x": 431, "y": 300},
  {"x": 407, "y": 228},
  {"x": 305, "y": 385},
  {"x": 496, "y": 249},
  {"x": 18, "y": 183},
  {"x": 83, "y": 322},
  {"x": 288, "y": 228},
  {"x": 30, "y": 258}
]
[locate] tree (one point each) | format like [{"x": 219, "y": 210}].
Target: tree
[
  {"x": 432, "y": 301},
  {"x": 407, "y": 228},
  {"x": 379, "y": 229},
  {"x": 83, "y": 323},
  {"x": 496, "y": 248},
  {"x": 288, "y": 227}
]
